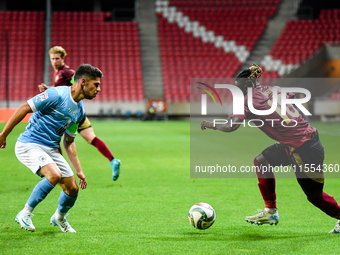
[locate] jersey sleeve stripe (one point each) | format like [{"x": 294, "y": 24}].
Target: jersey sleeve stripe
[{"x": 31, "y": 104}]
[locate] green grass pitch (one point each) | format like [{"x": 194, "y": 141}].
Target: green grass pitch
[{"x": 145, "y": 211}]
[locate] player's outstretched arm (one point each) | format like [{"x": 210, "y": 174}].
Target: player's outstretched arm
[
  {"x": 229, "y": 126},
  {"x": 71, "y": 152},
  {"x": 17, "y": 116}
]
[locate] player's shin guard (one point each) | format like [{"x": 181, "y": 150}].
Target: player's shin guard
[
  {"x": 39, "y": 192},
  {"x": 66, "y": 202},
  {"x": 266, "y": 185},
  {"x": 327, "y": 204}
]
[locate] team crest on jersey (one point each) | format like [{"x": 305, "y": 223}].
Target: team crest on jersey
[
  {"x": 43, "y": 96},
  {"x": 56, "y": 78},
  {"x": 42, "y": 158}
]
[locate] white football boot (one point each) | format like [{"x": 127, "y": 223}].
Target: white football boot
[
  {"x": 336, "y": 229},
  {"x": 25, "y": 221},
  {"x": 263, "y": 217},
  {"x": 62, "y": 224}
]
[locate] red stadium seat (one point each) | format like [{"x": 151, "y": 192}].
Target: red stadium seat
[
  {"x": 296, "y": 44},
  {"x": 183, "y": 56},
  {"x": 120, "y": 41},
  {"x": 25, "y": 46}
]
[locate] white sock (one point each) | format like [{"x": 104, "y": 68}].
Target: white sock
[
  {"x": 59, "y": 215},
  {"x": 270, "y": 210},
  {"x": 27, "y": 209}
]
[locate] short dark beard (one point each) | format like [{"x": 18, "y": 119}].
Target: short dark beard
[{"x": 86, "y": 95}]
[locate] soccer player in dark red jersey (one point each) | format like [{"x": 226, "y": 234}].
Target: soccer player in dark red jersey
[
  {"x": 297, "y": 145},
  {"x": 63, "y": 76}
]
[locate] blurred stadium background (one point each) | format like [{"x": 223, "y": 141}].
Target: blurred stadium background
[{"x": 149, "y": 49}]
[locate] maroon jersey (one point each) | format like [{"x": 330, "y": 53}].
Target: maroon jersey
[
  {"x": 63, "y": 76},
  {"x": 291, "y": 129}
]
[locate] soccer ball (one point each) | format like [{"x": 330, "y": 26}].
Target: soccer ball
[{"x": 201, "y": 216}]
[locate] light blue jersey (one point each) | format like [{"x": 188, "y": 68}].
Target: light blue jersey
[{"x": 54, "y": 112}]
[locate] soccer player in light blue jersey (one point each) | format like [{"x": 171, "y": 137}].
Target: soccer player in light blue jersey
[
  {"x": 63, "y": 76},
  {"x": 56, "y": 113}
]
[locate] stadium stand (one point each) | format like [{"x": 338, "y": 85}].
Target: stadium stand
[
  {"x": 111, "y": 46},
  {"x": 25, "y": 48},
  {"x": 184, "y": 56},
  {"x": 207, "y": 39},
  {"x": 300, "y": 40}
]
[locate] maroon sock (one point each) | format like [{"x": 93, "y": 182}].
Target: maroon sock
[
  {"x": 327, "y": 204},
  {"x": 267, "y": 186},
  {"x": 103, "y": 149},
  {"x": 60, "y": 151}
]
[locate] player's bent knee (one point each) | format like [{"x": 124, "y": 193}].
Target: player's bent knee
[
  {"x": 52, "y": 173},
  {"x": 72, "y": 190},
  {"x": 311, "y": 188},
  {"x": 54, "y": 177},
  {"x": 313, "y": 194}
]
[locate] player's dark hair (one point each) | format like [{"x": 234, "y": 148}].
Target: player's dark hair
[
  {"x": 88, "y": 71},
  {"x": 249, "y": 77}
]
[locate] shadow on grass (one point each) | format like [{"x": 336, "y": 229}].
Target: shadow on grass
[
  {"x": 245, "y": 236},
  {"x": 50, "y": 233},
  {"x": 11, "y": 234}
]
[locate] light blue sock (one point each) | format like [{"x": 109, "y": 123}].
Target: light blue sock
[
  {"x": 39, "y": 192},
  {"x": 66, "y": 202}
]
